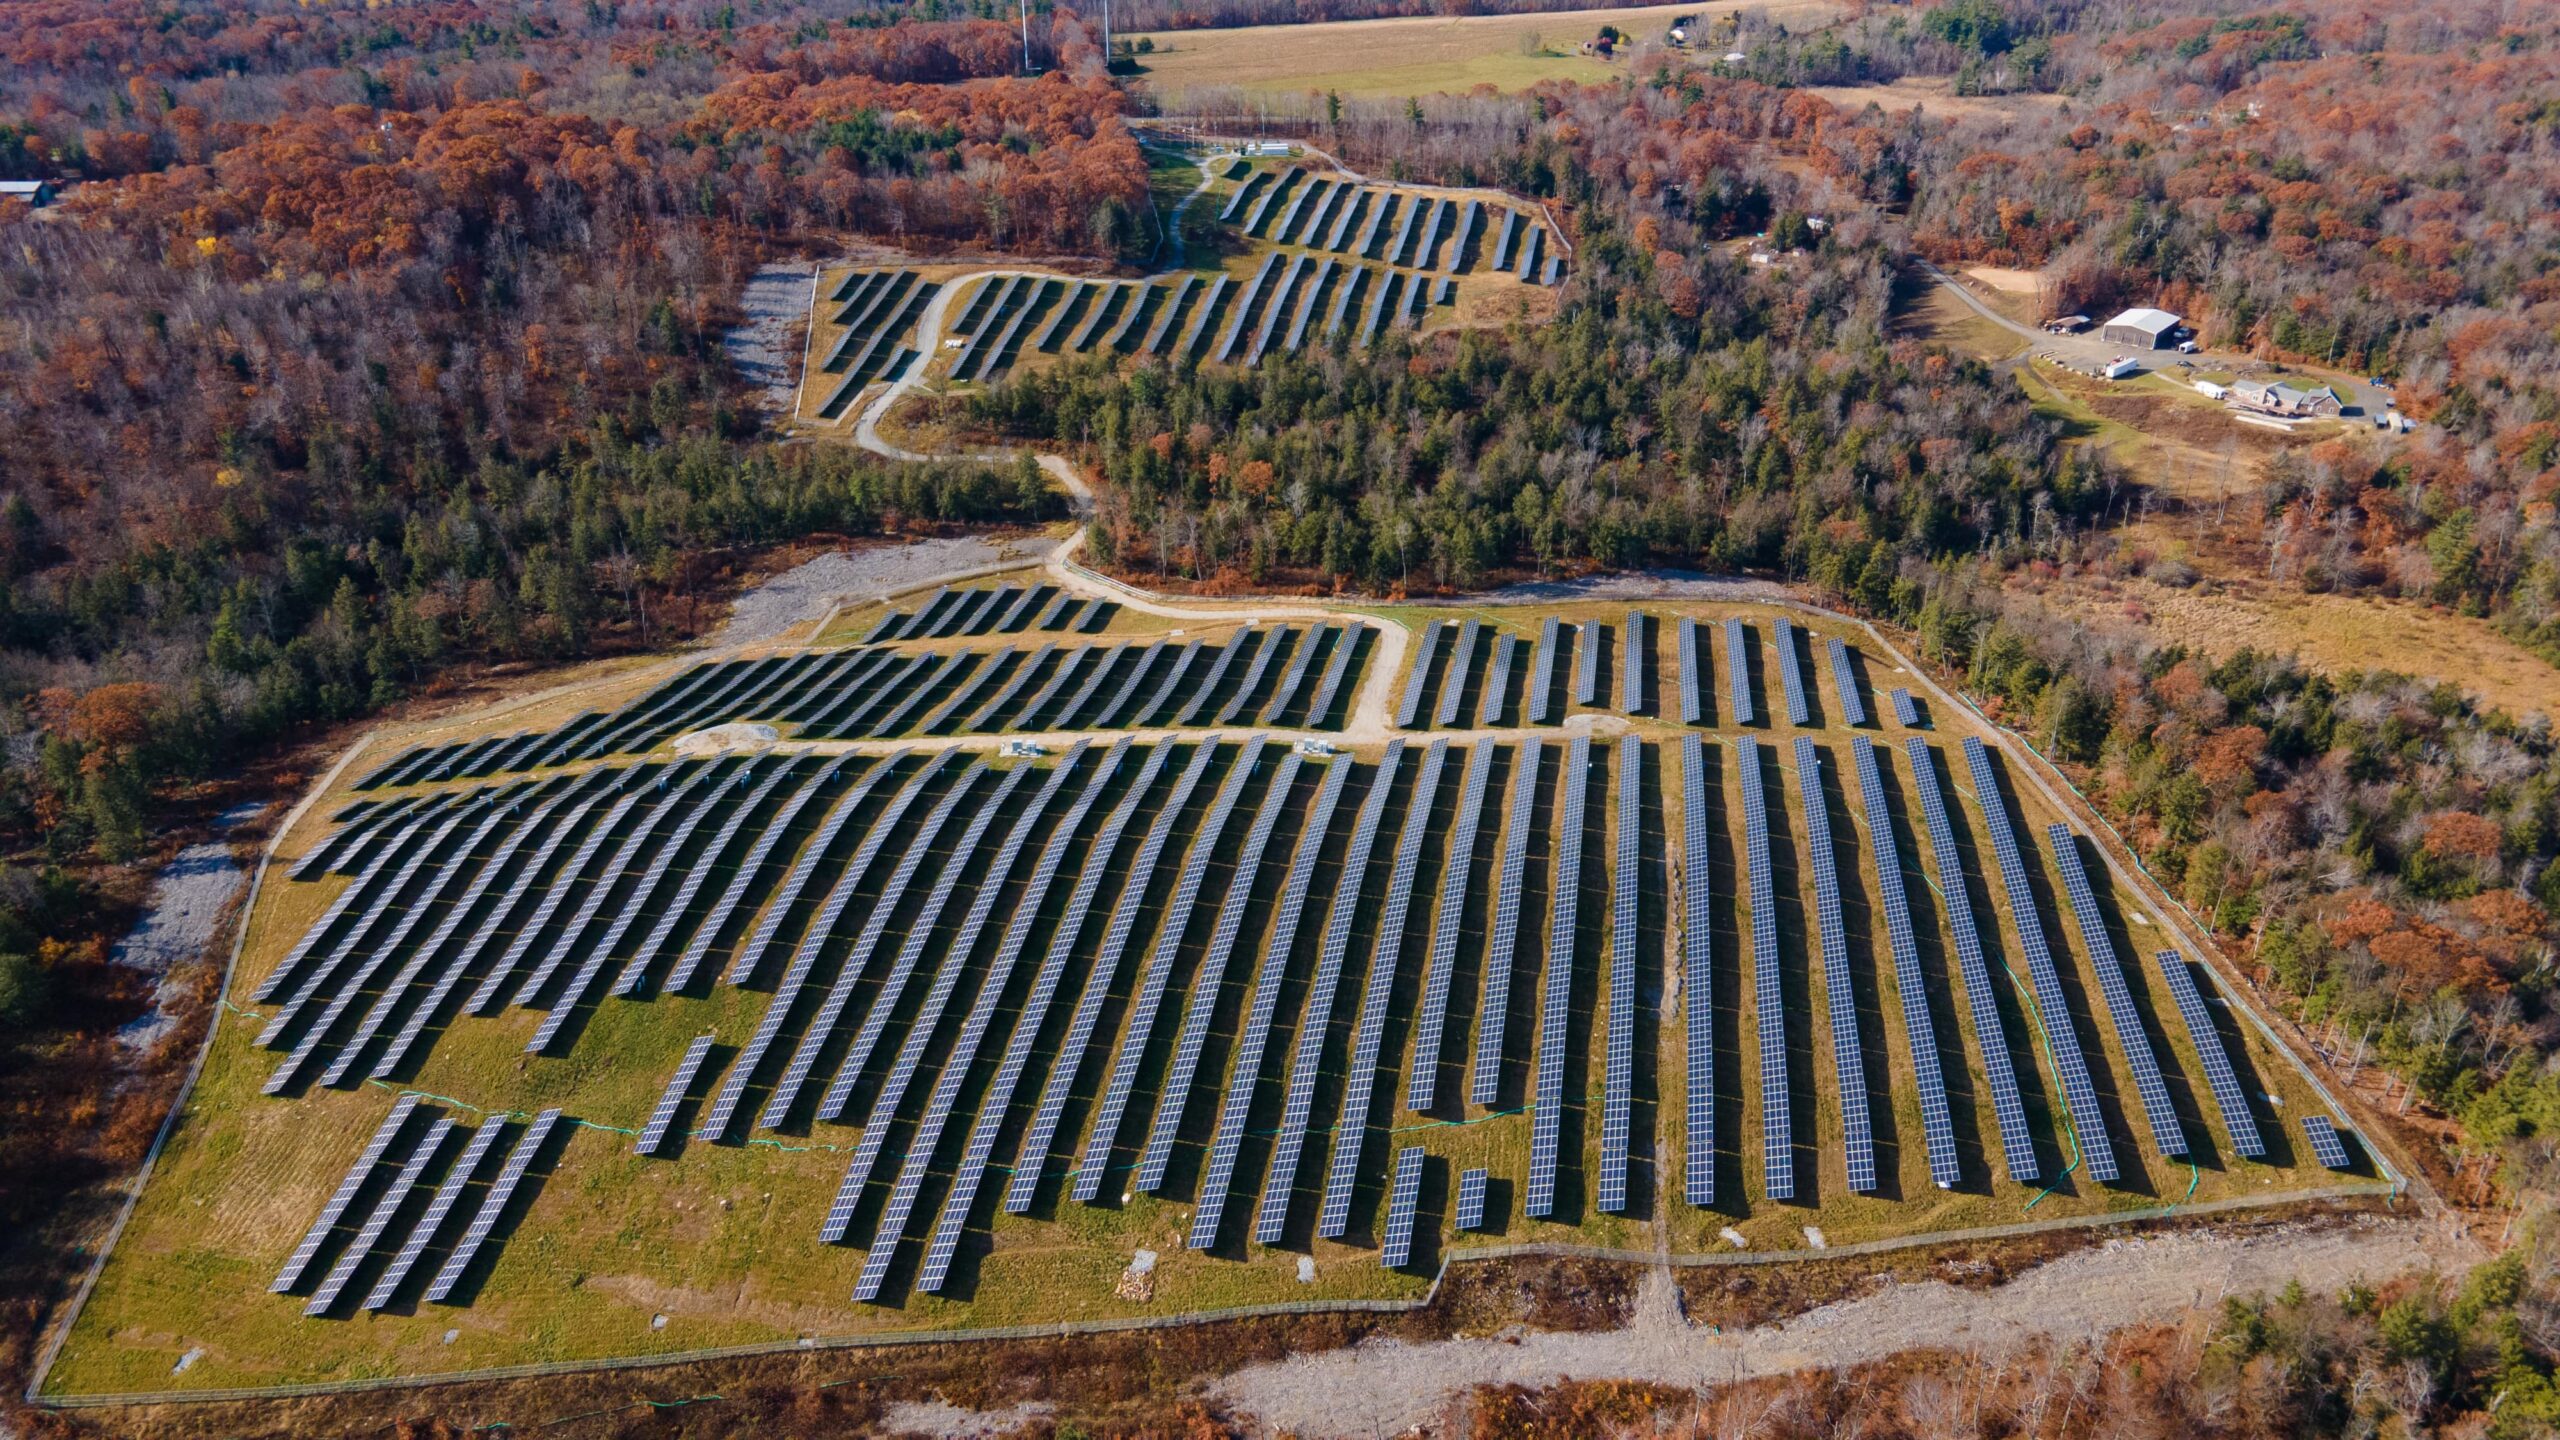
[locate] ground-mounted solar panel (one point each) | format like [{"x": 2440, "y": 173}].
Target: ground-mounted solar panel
[
  {"x": 861, "y": 706},
  {"x": 904, "y": 1070},
  {"x": 1101, "y": 977},
  {"x": 1171, "y": 687},
  {"x": 758, "y": 779},
  {"x": 1692, "y": 699},
  {"x": 1073, "y": 666},
  {"x": 1617, "y": 1106},
  {"x": 748, "y": 878},
  {"x": 983, "y": 718},
  {"x": 1991, "y": 1039},
  {"x": 1906, "y": 711},
  {"x": 1337, "y": 670},
  {"x": 1382, "y": 203},
  {"x": 1919, "y": 1034},
  {"x": 1273, "y": 644},
  {"x": 662, "y": 1117},
  {"x": 2110, "y": 980},
  {"x": 1633, "y": 682},
  {"x": 1226, "y": 658},
  {"x": 385, "y": 1136},
  {"x": 493, "y": 1205},
  {"x": 1311, "y": 297},
  {"x": 1242, "y": 193},
  {"x": 1462, "y": 660},
  {"x": 1157, "y": 976},
  {"x": 962, "y": 613},
  {"x": 1697, "y": 978},
  {"x": 1497, "y": 681},
  {"x": 940, "y": 672},
  {"x": 1245, "y": 308},
  {"x": 1502, "y": 934},
  {"x": 1276, "y": 306},
  {"x": 1296, "y": 677},
  {"x": 1848, "y": 1054},
  {"x": 1532, "y": 251},
  {"x": 1448, "y": 923},
  {"x": 391, "y": 907},
  {"x": 1411, "y": 206},
  {"x": 579, "y": 871},
  {"x": 1360, "y": 201},
  {"x": 1033, "y": 1017},
  {"x": 1279, "y": 1184},
  {"x": 1204, "y": 316},
  {"x": 1161, "y": 328},
  {"x": 1346, "y": 292},
  {"x": 1472, "y": 1185},
  {"x": 1737, "y": 672},
  {"x": 325, "y": 941},
  {"x": 1042, "y": 339},
  {"x": 1140, "y": 296},
  {"x": 1217, "y": 1184},
  {"x": 1312, "y": 190},
  {"x": 1587, "y": 645},
  {"x": 1777, "y": 1115},
  {"x": 2228, "y": 1095},
  {"x": 377, "y": 1223},
  {"x": 431, "y": 1223},
  {"x": 1791, "y": 679},
  {"x": 1107, "y": 662},
  {"x": 674, "y": 800},
  {"x": 1844, "y": 678},
  {"x": 1383, "y": 296},
  {"x": 1121, "y": 699},
  {"x": 946, "y": 716},
  {"x": 1351, "y": 1125},
  {"x": 2166, "y": 1134},
  {"x": 1410, "y": 707},
  {"x": 1542, "y": 672},
  {"x": 749, "y": 960},
  {"x": 2061, "y": 1037},
  {"x": 1503, "y": 238},
  {"x": 1555, "y": 1013},
  {"x": 2328, "y": 1142},
  {"x": 1404, "y": 1200}
]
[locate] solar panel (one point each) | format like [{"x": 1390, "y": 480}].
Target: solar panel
[
  {"x": 1631, "y": 676},
  {"x": 653, "y": 1137},
  {"x": 1542, "y": 677},
  {"x": 2166, "y": 1133},
  {"x": 1791, "y": 675},
  {"x": 1139, "y": 1031},
  {"x": 984, "y": 716},
  {"x": 1217, "y": 1185},
  {"x": 2228, "y": 1096},
  {"x": 2062, "y": 1039},
  {"x": 1175, "y": 1097},
  {"x": 1024, "y": 605},
  {"x": 1448, "y": 921},
  {"x": 1906, "y": 711},
  {"x": 746, "y": 878},
  {"x": 943, "y": 671},
  {"x": 1336, "y": 670},
  {"x": 1395, "y": 1248},
  {"x": 1274, "y": 643},
  {"x": 1462, "y": 659},
  {"x": 1296, "y": 677},
  {"x": 998, "y": 1100},
  {"x": 1698, "y": 1177},
  {"x": 1316, "y": 1018},
  {"x": 1848, "y": 1055},
  {"x": 1991, "y": 1039},
  {"x": 1410, "y": 706},
  {"x": 1619, "y": 1081},
  {"x": 956, "y": 616},
  {"x": 386, "y": 1207},
  {"x": 1737, "y": 672},
  {"x": 749, "y": 961},
  {"x": 1586, "y": 662},
  {"x": 353, "y": 1181},
  {"x": 2328, "y": 1143},
  {"x": 1546, "y": 1117},
  {"x": 493, "y": 1205},
  {"x": 1351, "y": 1125},
  {"x": 1502, "y": 936},
  {"x": 1692, "y": 699},
  {"x": 1471, "y": 1189},
  {"x": 484, "y": 1142},
  {"x": 1032, "y": 1159},
  {"x": 342, "y": 925},
  {"x": 1055, "y": 617},
  {"x": 1111, "y": 714},
  {"x": 911, "y": 1052},
  {"x": 644, "y": 900},
  {"x": 577, "y": 871},
  {"x": 1919, "y": 1032},
  {"x": 1777, "y": 1117},
  {"x": 1208, "y": 686},
  {"x": 527, "y": 875},
  {"x": 684, "y": 799},
  {"x": 1165, "y": 688},
  {"x": 1497, "y": 683},
  {"x": 1844, "y": 678},
  {"x": 1106, "y": 660},
  {"x": 946, "y": 716}
]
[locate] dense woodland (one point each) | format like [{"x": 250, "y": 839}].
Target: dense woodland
[{"x": 371, "y": 343}]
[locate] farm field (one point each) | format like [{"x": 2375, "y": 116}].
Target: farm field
[{"x": 910, "y": 917}]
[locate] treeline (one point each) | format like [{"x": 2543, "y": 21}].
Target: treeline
[{"x": 1132, "y": 16}]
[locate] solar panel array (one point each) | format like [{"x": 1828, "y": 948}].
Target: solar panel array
[
  {"x": 1502, "y": 938},
  {"x": 1991, "y": 1039},
  {"x": 1497, "y": 681},
  {"x": 2328, "y": 1143},
  {"x": 1472, "y": 1185},
  {"x": 1404, "y": 1199},
  {"x": 1631, "y": 665},
  {"x": 385, "y": 1135},
  {"x": 493, "y": 1206},
  {"x": 422, "y": 1236},
  {"x": 1315, "y": 1018},
  {"x": 1448, "y": 922},
  {"x": 2228, "y": 1096},
  {"x": 1777, "y": 1119},
  {"x": 1586, "y": 662},
  {"x": 1410, "y": 707},
  {"x": 1737, "y": 668},
  {"x": 1919, "y": 1031},
  {"x": 1619, "y": 1081},
  {"x": 1848, "y": 1053},
  {"x": 1906, "y": 711},
  {"x": 1346, "y": 652},
  {"x": 2062, "y": 1040},
  {"x": 1791, "y": 674},
  {"x": 1844, "y": 678},
  {"x": 653, "y": 1136},
  {"x": 1697, "y": 977},
  {"x": 1462, "y": 660},
  {"x": 2166, "y": 1133},
  {"x": 1555, "y": 1015},
  {"x": 1542, "y": 672},
  {"x": 1693, "y": 700}
]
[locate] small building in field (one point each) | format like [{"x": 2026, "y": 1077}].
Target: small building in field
[
  {"x": 2210, "y": 390},
  {"x": 2067, "y": 324},
  {"x": 2278, "y": 398},
  {"x": 37, "y": 193},
  {"x": 2143, "y": 328}
]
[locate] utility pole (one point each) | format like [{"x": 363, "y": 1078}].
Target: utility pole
[
  {"x": 1026, "y": 35},
  {"x": 1106, "y": 36}
]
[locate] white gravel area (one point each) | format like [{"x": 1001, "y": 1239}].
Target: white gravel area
[
  {"x": 939, "y": 1421},
  {"x": 762, "y": 349},
  {"x": 182, "y": 921},
  {"x": 849, "y": 577}
]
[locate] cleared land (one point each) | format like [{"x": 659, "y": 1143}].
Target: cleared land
[{"x": 611, "y": 1254}]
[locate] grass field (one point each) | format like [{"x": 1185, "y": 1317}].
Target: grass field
[
  {"x": 615, "y": 1255},
  {"x": 1422, "y": 56}
]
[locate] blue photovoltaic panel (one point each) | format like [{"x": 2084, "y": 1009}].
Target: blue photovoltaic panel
[
  {"x": 1693, "y": 708},
  {"x": 1919, "y": 1032},
  {"x": 654, "y": 1136},
  {"x": 946, "y": 716},
  {"x": 744, "y": 879},
  {"x": 2062, "y": 1039},
  {"x": 1200, "y": 693},
  {"x": 1631, "y": 664},
  {"x": 1497, "y": 681},
  {"x": 749, "y": 961},
  {"x": 1471, "y": 1188},
  {"x": 1174, "y": 675},
  {"x": 1542, "y": 672},
  {"x": 1111, "y": 714},
  {"x": 2228, "y": 1097},
  {"x": 1619, "y": 1080},
  {"x": 1906, "y": 711},
  {"x": 1404, "y": 1198},
  {"x": 1791, "y": 674},
  {"x": 998, "y": 1101},
  {"x": 1274, "y": 643},
  {"x": 1448, "y": 920},
  {"x": 1737, "y": 672},
  {"x": 1844, "y": 678},
  {"x": 484, "y": 1142},
  {"x": 1991, "y": 1040},
  {"x": 1351, "y": 1126},
  {"x": 2328, "y": 1143},
  {"x": 336, "y": 1209},
  {"x": 1586, "y": 662},
  {"x": 1411, "y": 705},
  {"x": 2166, "y": 1133},
  {"x": 1296, "y": 677},
  {"x": 492, "y": 1206},
  {"x": 1555, "y": 1014},
  {"x": 1217, "y": 1185},
  {"x": 386, "y": 1207},
  {"x": 1502, "y": 937},
  {"x": 1697, "y": 987},
  {"x": 1462, "y": 659},
  {"x": 1306, "y": 1064},
  {"x": 1777, "y": 1119},
  {"x": 1336, "y": 670},
  {"x": 704, "y": 863},
  {"x": 1848, "y": 1055}
]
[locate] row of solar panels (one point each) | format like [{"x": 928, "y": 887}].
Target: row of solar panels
[
  {"x": 569, "y": 887},
  {"x": 874, "y": 309},
  {"x": 1423, "y": 232}
]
